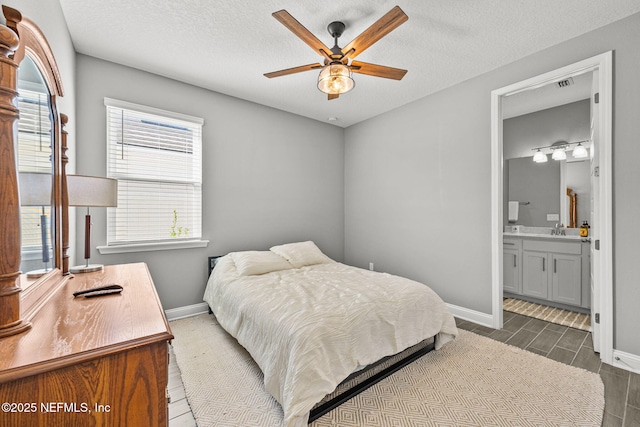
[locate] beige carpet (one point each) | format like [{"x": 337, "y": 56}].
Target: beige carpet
[
  {"x": 473, "y": 381},
  {"x": 550, "y": 314}
]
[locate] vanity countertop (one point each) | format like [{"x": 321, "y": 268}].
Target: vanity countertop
[{"x": 543, "y": 236}]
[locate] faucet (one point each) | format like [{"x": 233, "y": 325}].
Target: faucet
[{"x": 558, "y": 230}]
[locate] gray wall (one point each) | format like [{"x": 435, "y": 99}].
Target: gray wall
[
  {"x": 269, "y": 177},
  {"x": 418, "y": 185},
  {"x": 569, "y": 122}
]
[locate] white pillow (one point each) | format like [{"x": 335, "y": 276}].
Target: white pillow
[
  {"x": 301, "y": 254},
  {"x": 251, "y": 263}
]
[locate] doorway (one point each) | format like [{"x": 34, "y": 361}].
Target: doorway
[{"x": 601, "y": 232}]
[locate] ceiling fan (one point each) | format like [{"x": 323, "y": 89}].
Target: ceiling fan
[{"x": 335, "y": 77}]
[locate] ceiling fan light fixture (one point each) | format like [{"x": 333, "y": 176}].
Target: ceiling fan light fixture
[{"x": 335, "y": 79}]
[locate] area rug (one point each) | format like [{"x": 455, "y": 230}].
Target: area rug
[
  {"x": 550, "y": 314},
  {"x": 473, "y": 381}
]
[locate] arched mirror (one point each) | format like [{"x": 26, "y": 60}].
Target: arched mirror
[{"x": 33, "y": 198}]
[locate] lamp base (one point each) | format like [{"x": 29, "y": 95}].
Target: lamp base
[
  {"x": 34, "y": 274},
  {"x": 89, "y": 268}
]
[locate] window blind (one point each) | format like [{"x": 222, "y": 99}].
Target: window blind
[
  {"x": 156, "y": 156},
  {"x": 34, "y": 155}
]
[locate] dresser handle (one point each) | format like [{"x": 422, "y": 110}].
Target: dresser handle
[
  {"x": 543, "y": 263},
  {"x": 555, "y": 265}
]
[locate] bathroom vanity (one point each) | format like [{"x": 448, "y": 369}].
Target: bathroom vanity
[{"x": 547, "y": 269}]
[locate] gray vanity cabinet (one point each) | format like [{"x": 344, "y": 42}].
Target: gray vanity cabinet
[
  {"x": 535, "y": 274},
  {"x": 545, "y": 269},
  {"x": 512, "y": 265},
  {"x": 566, "y": 279}
]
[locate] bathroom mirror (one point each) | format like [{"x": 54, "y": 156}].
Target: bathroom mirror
[{"x": 541, "y": 190}]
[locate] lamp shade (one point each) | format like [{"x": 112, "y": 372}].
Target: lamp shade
[
  {"x": 35, "y": 189},
  {"x": 335, "y": 79},
  {"x": 539, "y": 157},
  {"x": 559, "y": 154},
  {"x": 92, "y": 191},
  {"x": 580, "y": 152}
]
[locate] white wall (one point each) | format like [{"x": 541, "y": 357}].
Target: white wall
[
  {"x": 418, "y": 184},
  {"x": 269, "y": 177}
]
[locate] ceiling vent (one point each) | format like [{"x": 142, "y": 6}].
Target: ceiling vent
[{"x": 566, "y": 82}]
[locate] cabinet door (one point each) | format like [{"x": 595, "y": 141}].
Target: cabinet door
[
  {"x": 535, "y": 273},
  {"x": 566, "y": 278},
  {"x": 511, "y": 271}
]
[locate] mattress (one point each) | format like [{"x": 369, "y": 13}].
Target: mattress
[{"x": 309, "y": 328}]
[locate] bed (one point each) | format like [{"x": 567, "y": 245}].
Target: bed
[{"x": 310, "y": 322}]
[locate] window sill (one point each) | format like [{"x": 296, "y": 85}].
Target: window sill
[{"x": 148, "y": 247}]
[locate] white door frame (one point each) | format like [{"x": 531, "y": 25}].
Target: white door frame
[{"x": 604, "y": 280}]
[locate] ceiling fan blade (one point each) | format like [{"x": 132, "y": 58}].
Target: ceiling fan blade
[
  {"x": 299, "y": 30},
  {"x": 293, "y": 70},
  {"x": 377, "y": 70},
  {"x": 383, "y": 26},
  {"x": 332, "y": 96}
]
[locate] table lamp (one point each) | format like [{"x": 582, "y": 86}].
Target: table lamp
[{"x": 90, "y": 191}]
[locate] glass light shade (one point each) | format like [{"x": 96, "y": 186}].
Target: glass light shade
[
  {"x": 539, "y": 157},
  {"x": 335, "y": 79},
  {"x": 559, "y": 154},
  {"x": 580, "y": 152}
]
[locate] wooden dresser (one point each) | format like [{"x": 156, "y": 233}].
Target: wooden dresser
[{"x": 90, "y": 361}]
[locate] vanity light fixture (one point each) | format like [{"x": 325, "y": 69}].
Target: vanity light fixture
[
  {"x": 539, "y": 157},
  {"x": 580, "y": 152},
  {"x": 558, "y": 151},
  {"x": 559, "y": 154}
]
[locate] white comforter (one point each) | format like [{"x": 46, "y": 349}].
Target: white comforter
[{"x": 309, "y": 328}]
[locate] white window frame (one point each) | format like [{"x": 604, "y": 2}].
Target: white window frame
[{"x": 160, "y": 244}]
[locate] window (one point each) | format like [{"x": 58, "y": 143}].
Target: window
[{"x": 156, "y": 156}]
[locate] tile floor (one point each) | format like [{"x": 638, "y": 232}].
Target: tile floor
[{"x": 566, "y": 345}]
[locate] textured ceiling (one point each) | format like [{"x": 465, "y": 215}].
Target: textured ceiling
[{"x": 226, "y": 46}]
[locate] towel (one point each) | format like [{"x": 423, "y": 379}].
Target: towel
[{"x": 513, "y": 210}]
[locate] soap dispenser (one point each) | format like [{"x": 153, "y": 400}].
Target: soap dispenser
[{"x": 584, "y": 229}]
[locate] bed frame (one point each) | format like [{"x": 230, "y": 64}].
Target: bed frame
[{"x": 361, "y": 380}]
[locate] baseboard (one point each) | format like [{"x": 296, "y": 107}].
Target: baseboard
[
  {"x": 186, "y": 311},
  {"x": 626, "y": 361},
  {"x": 478, "y": 317}
]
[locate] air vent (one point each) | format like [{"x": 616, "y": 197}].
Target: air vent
[{"x": 565, "y": 82}]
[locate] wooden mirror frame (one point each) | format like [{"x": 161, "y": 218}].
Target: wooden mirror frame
[{"x": 18, "y": 38}]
